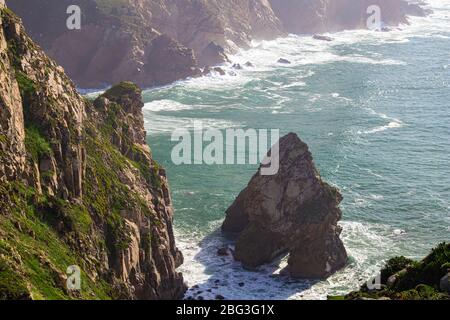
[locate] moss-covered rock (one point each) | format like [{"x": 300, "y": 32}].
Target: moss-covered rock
[{"x": 411, "y": 280}]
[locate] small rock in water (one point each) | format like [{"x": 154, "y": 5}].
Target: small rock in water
[
  {"x": 249, "y": 64},
  {"x": 196, "y": 286},
  {"x": 399, "y": 232},
  {"x": 284, "y": 61},
  {"x": 237, "y": 66},
  {"x": 220, "y": 71},
  {"x": 220, "y": 297},
  {"x": 241, "y": 284},
  {"x": 322, "y": 38}
]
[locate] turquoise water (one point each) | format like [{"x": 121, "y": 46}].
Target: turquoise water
[{"x": 374, "y": 109}]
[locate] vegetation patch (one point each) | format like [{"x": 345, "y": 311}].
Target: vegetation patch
[
  {"x": 12, "y": 286},
  {"x": 27, "y": 89},
  {"x": 413, "y": 280},
  {"x": 121, "y": 90},
  {"x": 36, "y": 144}
]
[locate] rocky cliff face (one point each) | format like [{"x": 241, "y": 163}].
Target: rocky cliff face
[
  {"x": 121, "y": 40},
  {"x": 291, "y": 212},
  {"x": 317, "y": 16},
  {"x": 149, "y": 42},
  {"x": 78, "y": 186},
  {"x": 116, "y": 42}
]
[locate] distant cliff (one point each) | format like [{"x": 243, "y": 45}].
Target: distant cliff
[
  {"x": 317, "y": 16},
  {"x": 78, "y": 186},
  {"x": 155, "y": 42}
]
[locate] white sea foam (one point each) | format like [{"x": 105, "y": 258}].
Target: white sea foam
[
  {"x": 390, "y": 125},
  {"x": 157, "y": 124},
  {"x": 222, "y": 275},
  {"x": 166, "y": 105}
]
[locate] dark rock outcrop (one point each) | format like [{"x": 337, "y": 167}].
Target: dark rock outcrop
[
  {"x": 406, "y": 279},
  {"x": 283, "y": 61},
  {"x": 213, "y": 55},
  {"x": 291, "y": 212},
  {"x": 322, "y": 38},
  {"x": 78, "y": 186},
  {"x": 444, "y": 284}
]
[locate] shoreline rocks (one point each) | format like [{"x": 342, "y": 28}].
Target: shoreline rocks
[{"x": 292, "y": 212}]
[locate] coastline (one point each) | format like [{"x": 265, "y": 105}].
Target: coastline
[{"x": 206, "y": 260}]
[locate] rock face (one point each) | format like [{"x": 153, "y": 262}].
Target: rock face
[
  {"x": 318, "y": 16},
  {"x": 291, "y": 212},
  {"x": 115, "y": 42},
  {"x": 121, "y": 40},
  {"x": 78, "y": 186}
]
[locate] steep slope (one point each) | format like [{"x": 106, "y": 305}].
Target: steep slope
[
  {"x": 229, "y": 24},
  {"x": 116, "y": 42},
  {"x": 78, "y": 186},
  {"x": 120, "y": 40}
]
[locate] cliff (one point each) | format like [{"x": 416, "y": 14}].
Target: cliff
[
  {"x": 155, "y": 42},
  {"x": 292, "y": 212},
  {"x": 318, "y": 16},
  {"x": 78, "y": 186},
  {"x": 406, "y": 279},
  {"x": 149, "y": 42}
]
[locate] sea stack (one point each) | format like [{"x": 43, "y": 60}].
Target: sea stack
[{"x": 292, "y": 212}]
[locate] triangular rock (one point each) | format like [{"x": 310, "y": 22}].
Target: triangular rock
[{"x": 294, "y": 211}]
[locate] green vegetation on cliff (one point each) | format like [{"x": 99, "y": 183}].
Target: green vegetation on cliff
[
  {"x": 86, "y": 192},
  {"x": 406, "y": 279}
]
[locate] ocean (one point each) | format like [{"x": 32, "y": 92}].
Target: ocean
[{"x": 374, "y": 108}]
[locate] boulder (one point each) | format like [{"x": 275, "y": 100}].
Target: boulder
[
  {"x": 293, "y": 212},
  {"x": 220, "y": 71},
  {"x": 445, "y": 283}
]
